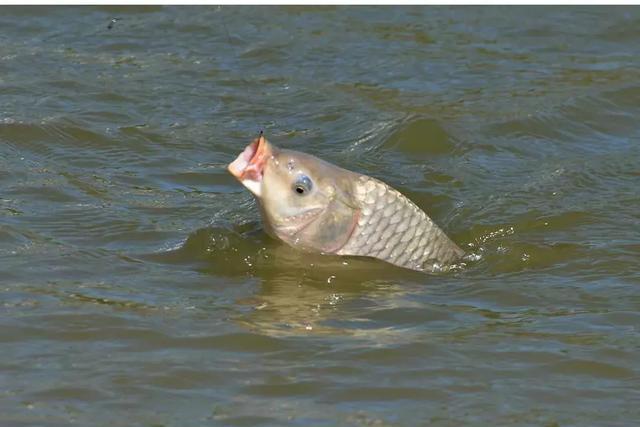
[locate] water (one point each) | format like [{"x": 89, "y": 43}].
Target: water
[{"x": 138, "y": 288}]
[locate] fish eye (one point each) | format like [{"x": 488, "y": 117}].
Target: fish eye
[{"x": 302, "y": 185}]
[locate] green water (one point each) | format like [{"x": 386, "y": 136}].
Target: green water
[{"x": 137, "y": 287}]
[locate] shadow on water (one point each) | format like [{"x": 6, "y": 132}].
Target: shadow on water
[
  {"x": 300, "y": 293},
  {"x": 297, "y": 291}
]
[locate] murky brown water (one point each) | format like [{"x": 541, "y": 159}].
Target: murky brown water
[{"x": 137, "y": 287}]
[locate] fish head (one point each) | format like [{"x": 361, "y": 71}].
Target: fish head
[{"x": 304, "y": 201}]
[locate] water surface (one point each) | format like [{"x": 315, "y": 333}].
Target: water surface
[{"x": 137, "y": 287}]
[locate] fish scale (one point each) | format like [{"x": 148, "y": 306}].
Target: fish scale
[{"x": 393, "y": 228}]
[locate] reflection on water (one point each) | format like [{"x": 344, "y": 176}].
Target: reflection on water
[{"x": 135, "y": 277}]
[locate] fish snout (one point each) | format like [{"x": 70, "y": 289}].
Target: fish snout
[
  {"x": 249, "y": 166},
  {"x": 250, "y": 163}
]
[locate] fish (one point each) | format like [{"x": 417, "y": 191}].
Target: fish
[{"x": 316, "y": 206}]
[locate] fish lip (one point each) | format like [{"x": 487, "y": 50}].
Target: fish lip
[
  {"x": 250, "y": 164},
  {"x": 306, "y": 218}
]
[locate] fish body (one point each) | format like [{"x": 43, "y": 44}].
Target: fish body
[{"x": 316, "y": 206}]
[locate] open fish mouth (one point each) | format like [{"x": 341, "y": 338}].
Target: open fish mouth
[{"x": 248, "y": 167}]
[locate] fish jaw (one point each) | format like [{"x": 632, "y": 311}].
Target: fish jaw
[{"x": 248, "y": 167}]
